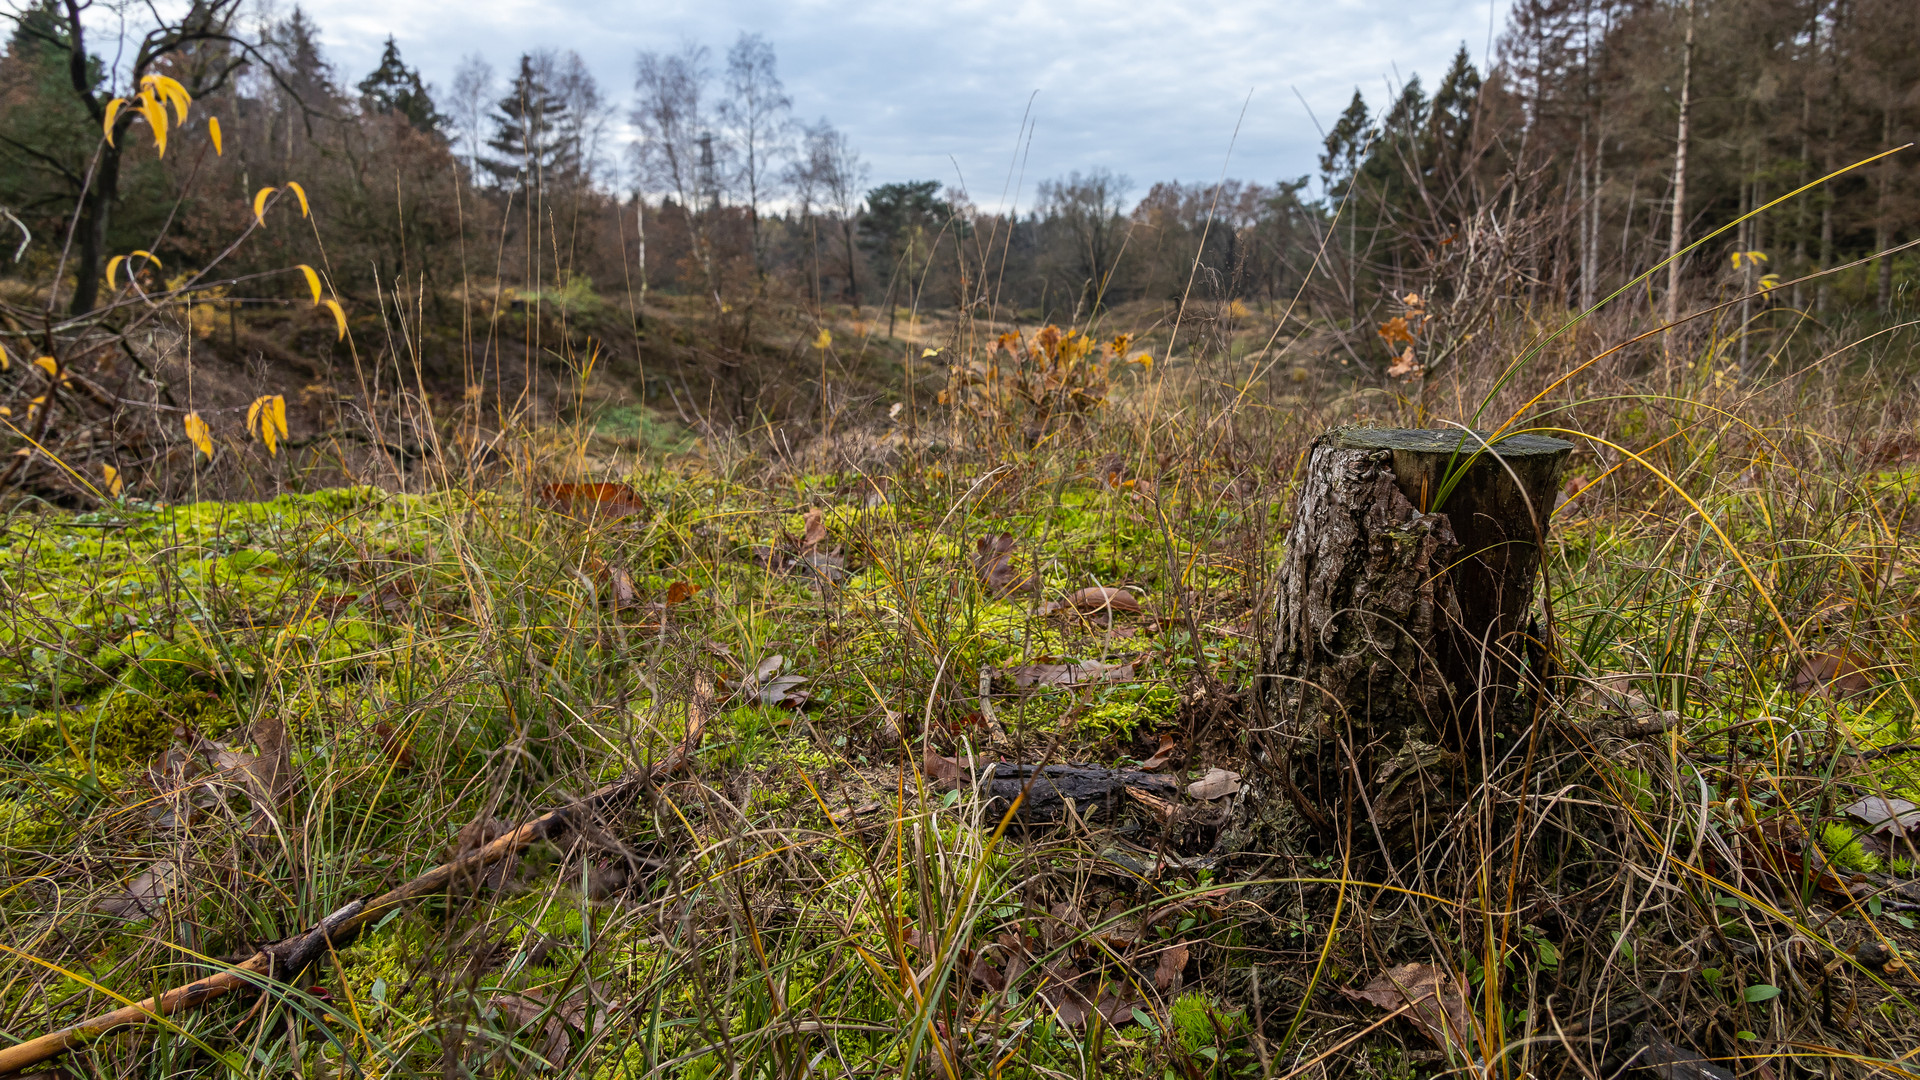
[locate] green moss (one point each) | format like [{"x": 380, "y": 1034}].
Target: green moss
[
  {"x": 26, "y": 825},
  {"x": 120, "y": 728},
  {"x": 1843, "y": 847},
  {"x": 1124, "y": 709},
  {"x": 1198, "y": 1022},
  {"x": 383, "y": 967}
]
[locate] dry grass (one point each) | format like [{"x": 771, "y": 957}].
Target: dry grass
[{"x": 810, "y": 902}]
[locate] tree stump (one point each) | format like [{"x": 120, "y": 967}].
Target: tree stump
[{"x": 1403, "y": 625}]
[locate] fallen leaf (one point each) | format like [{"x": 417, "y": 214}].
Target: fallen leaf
[
  {"x": 816, "y": 529},
  {"x": 1097, "y": 598},
  {"x": 272, "y": 771},
  {"x": 1168, "y": 747},
  {"x": 1658, "y": 1055},
  {"x": 531, "y": 1015},
  {"x": 993, "y": 561},
  {"x": 621, "y": 584},
  {"x": 681, "y": 591},
  {"x": 1070, "y": 1009},
  {"x": 1217, "y": 784},
  {"x": 1119, "y": 1010},
  {"x": 841, "y": 817},
  {"x": 1832, "y": 675},
  {"x": 396, "y": 747},
  {"x": 1884, "y": 815},
  {"x": 830, "y": 566},
  {"x": 984, "y": 973},
  {"x": 1438, "y": 1007},
  {"x": 603, "y": 501},
  {"x": 1173, "y": 961},
  {"x": 144, "y": 896},
  {"x": 766, "y": 686},
  {"x": 1080, "y": 674},
  {"x": 939, "y": 767}
]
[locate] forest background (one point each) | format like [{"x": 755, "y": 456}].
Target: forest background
[{"x": 1606, "y": 137}]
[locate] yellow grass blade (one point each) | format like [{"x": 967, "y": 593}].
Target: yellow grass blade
[
  {"x": 339, "y": 317},
  {"x": 213, "y": 132},
  {"x": 260, "y": 204},
  {"x": 313, "y": 282}
]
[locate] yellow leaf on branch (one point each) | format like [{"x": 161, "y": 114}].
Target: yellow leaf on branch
[
  {"x": 156, "y": 114},
  {"x": 199, "y": 434},
  {"x": 313, "y": 282}
]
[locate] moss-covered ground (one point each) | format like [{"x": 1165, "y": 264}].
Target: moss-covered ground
[{"x": 802, "y": 900}]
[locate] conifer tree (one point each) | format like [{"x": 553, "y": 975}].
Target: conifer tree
[
  {"x": 531, "y": 143},
  {"x": 393, "y": 87}
]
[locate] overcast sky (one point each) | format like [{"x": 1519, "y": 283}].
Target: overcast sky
[{"x": 936, "y": 91}]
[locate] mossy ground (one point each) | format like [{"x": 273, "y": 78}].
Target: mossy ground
[{"x": 801, "y": 895}]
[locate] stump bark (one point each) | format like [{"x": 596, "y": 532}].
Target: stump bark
[{"x": 1404, "y": 617}]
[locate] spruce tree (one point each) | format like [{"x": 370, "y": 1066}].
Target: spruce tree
[
  {"x": 393, "y": 87},
  {"x": 532, "y": 142}
]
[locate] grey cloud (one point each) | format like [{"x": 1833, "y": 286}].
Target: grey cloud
[{"x": 1152, "y": 90}]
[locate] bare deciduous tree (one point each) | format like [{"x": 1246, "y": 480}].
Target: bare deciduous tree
[
  {"x": 833, "y": 177},
  {"x": 472, "y": 97},
  {"x": 756, "y": 117},
  {"x": 675, "y": 153},
  {"x": 1088, "y": 209}
]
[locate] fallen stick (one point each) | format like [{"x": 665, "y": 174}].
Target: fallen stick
[{"x": 284, "y": 960}]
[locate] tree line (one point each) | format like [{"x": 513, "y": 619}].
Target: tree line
[{"x": 1604, "y": 137}]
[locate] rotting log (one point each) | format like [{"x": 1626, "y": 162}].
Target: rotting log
[
  {"x": 1404, "y": 628},
  {"x": 282, "y": 962},
  {"x": 1043, "y": 791}
]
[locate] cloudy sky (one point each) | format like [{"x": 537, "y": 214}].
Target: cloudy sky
[{"x": 936, "y": 91}]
